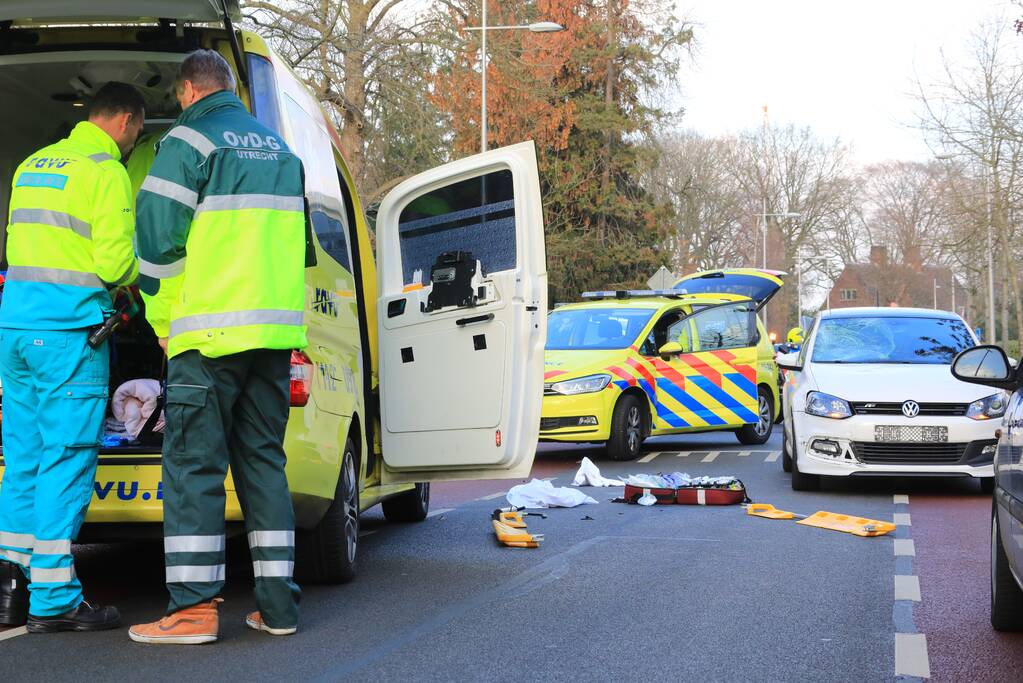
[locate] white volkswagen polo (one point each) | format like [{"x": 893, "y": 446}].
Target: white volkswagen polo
[{"x": 870, "y": 394}]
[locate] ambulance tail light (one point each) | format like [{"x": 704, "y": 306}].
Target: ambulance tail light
[{"x": 301, "y": 379}]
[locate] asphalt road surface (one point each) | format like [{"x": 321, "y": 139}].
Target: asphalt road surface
[{"x": 615, "y": 591}]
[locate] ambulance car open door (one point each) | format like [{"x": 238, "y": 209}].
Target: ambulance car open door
[{"x": 462, "y": 319}]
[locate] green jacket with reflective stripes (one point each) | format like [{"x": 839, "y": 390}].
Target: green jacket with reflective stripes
[
  {"x": 69, "y": 235},
  {"x": 222, "y": 233}
]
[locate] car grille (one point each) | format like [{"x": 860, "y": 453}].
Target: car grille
[
  {"x": 909, "y": 453},
  {"x": 547, "y": 423},
  {"x": 926, "y": 409}
]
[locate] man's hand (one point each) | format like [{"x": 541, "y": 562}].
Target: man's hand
[{"x": 163, "y": 344}]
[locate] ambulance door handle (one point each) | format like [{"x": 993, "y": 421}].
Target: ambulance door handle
[{"x": 462, "y": 322}]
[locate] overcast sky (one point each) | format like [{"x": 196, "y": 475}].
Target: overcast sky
[{"x": 845, "y": 68}]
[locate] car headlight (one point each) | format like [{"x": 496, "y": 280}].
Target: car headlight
[
  {"x": 825, "y": 405},
  {"x": 987, "y": 407},
  {"x": 582, "y": 385}
]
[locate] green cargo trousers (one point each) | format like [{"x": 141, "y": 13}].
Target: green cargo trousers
[{"x": 229, "y": 410}]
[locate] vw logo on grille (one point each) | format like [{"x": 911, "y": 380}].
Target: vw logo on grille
[{"x": 910, "y": 408}]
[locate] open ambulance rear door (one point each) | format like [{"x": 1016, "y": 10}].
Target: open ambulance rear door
[
  {"x": 116, "y": 11},
  {"x": 462, "y": 317}
]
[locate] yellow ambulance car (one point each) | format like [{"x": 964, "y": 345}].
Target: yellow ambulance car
[
  {"x": 623, "y": 366},
  {"x": 424, "y": 364}
]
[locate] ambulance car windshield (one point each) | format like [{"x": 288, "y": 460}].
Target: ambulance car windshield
[
  {"x": 590, "y": 329},
  {"x": 890, "y": 339}
]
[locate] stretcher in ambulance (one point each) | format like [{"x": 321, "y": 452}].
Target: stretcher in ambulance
[{"x": 423, "y": 364}]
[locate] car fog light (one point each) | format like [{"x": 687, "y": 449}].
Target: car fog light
[
  {"x": 827, "y": 447},
  {"x": 588, "y": 421},
  {"x": 989, "y": 450}
]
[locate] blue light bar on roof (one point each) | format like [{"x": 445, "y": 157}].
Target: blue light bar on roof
[{"x": 633, "y": 293}]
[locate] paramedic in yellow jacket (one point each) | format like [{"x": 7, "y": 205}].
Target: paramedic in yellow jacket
[{"x": 69, "y": 242}]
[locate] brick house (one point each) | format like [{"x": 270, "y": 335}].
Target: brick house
[{"x": 880, "y": 282}]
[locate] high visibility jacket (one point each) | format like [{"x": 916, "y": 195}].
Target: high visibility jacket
[
  {"x": 69, "y": 235},
  {"x": 223, "y": 234},
  {"x": 141, "y": 160}
]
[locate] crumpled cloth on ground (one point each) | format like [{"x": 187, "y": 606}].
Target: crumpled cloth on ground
[
  {"x": 648, "y": 481},
  {"x": 589, "y": 475},
  {"x": 133, "y": 403},
  {"x": 542, "y": 494},
  {"x": 677, "y": 480}
]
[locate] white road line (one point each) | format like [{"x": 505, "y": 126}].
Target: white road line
[
  {"x": 773, "y": 456},
  {"x": 549, "y": 478},
  {"x": 743, "y": 454},
  {"x": 682, "y": 454},
  {"x": 907, "y": 588},
  {"x": 368, "y": 533},
  {"x": 901, "y": 499},
  {"x": 911, "y": 655},
  {"x": 711, "y": 456},
  {"x": 440, "y": 512},
  {"x": 493, "y": 495},
  {"x": 13, "y": 633},
  {"x": 902, "y": 519},
  {"x": 904, "y": 546},
  {"x": 649, "y": 456}
]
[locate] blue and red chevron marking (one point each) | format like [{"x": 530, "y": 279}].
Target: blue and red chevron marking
[{"x": 663, "y": 411}]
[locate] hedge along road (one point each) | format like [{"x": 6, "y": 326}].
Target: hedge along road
[{"x": 631, "y": 592}]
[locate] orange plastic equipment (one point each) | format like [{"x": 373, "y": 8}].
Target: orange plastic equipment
[
  {"x": 768, "y": 511},
  {"x": 858, "y": 526},
  {"x": 511, "y": 530}
]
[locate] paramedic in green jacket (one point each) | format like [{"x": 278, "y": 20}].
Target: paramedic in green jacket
[
  {"x": 69, "y": 241},
  {"x": 222, "y": 235}
]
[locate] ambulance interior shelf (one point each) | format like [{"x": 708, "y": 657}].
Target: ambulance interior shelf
[{"x": 457, "y": 280}]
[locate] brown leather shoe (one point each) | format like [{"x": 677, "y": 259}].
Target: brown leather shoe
[
  {"x": 190, "y": 626},
  {"x": 255, "y": 620}
]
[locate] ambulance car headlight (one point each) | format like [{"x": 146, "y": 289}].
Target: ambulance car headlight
[
  {"x": 582, "y": 385},
  {"x": 987, "y": 407},
  {"x": 825, "y": 405}
]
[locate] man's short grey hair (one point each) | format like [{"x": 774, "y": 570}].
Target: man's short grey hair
[{"x": 207, "y": 70}]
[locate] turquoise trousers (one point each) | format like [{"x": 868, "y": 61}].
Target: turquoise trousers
[{"x": 54, "y": 400}]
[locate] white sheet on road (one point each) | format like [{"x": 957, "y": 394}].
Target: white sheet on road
[
  {"x": 589, "y": 475},
  {"x": 542, "y": 494}
]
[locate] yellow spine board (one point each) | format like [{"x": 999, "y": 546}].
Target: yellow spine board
[
  {"x": 858, "y": 526},
  {"x": 516, "y": 537}
]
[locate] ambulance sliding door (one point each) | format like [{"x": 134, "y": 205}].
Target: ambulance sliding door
[{"x": 462, "y": 317}]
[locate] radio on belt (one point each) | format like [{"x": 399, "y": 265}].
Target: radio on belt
[{"x": 457, "y": 280}]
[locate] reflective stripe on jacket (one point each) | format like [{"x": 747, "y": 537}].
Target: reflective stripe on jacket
[
  {"x": 69, "y": 235},
  {"x": 222, "y": 234}
]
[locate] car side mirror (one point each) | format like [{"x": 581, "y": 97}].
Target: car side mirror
[
  {"x": 789, "y": 361},
  {"x": 670, "y": 349},
  {"x": 986, "y": 365}
]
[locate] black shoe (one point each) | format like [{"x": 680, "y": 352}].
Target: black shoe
[
  {"x": 13, "y": 595},
  {"x": 85, "y": 617}
]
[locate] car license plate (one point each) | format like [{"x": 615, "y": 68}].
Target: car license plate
[{"x": 904, "y": 433}]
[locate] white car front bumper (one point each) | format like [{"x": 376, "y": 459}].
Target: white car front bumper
[{"x": 969, "y": 451}]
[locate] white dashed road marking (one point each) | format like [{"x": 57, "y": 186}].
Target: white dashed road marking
[
  {"x": 901, "y": 499},
  {"x": 773, "y": 456},
  {"x": 911, "y": 655},
  {"x": 711, "y": 457},
  {"x": 904, "y": 546},
  {"x": 493, "y": 495},
  {"x": 907, "y": 588},
  {"x": 902, "y": 519},
  {"x": 13, "y": 633},
  {"x": 440, "y": 512},
  {"x": 649, "y": 456},
  {"x": 743, "y": 454}
]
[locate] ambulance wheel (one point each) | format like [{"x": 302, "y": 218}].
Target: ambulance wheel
[
  {"x": 759, "y": 432},
  {"x": 411, "y": 506},
  {"x": 1006, "y": 596},
  {"x": 328, "y": 552},
  {"x": 627, "y": 429}
]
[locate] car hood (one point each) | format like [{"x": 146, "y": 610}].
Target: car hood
[
  {"x": 889, "y": 382},
  {"x": 560, "y": 365}
]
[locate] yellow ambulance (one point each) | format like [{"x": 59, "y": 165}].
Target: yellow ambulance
[{"x": 423, "y": 364}]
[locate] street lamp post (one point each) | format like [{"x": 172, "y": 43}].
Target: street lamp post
[
  {"x": 536, "y": 27},
  {"x": 763, "y": 225}
]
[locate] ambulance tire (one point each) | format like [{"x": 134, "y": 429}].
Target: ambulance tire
[
  {"x": 628, "y": 429},
  {"x": 328, "y": 553},
  {"x": 1006, "y": 595},
  {"x": 759, "y": 433},
  {"x": 412, "y": 506}
]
